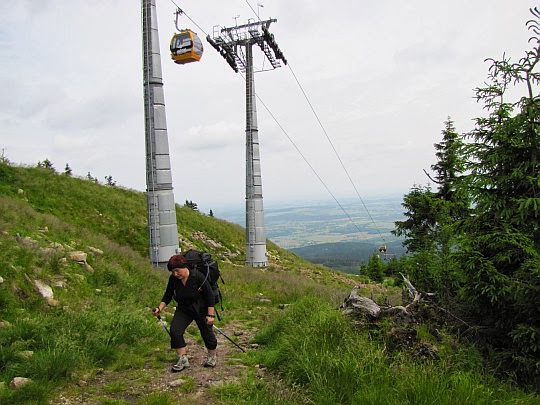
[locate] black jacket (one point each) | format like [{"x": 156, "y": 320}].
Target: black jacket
[{"x": 196, "y": 291}]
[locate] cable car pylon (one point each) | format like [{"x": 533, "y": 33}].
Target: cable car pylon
[
  {"x": 162, "y": 229},
  {"x": 235, "y": 45}
]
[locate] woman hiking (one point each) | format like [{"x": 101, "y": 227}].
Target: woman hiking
[{"x": 195, "y": 302}]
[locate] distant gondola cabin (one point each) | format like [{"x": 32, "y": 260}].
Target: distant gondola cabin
[{"x": 186, "y": 47}]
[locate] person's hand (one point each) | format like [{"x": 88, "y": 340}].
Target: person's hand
[
  {"x": 209, "y": 319},
  {"x": 156, "y": 311}
]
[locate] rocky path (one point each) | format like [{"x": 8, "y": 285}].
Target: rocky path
[{"x": 190, "y": 386}]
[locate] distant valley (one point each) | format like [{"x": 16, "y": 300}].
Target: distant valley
[{"x": 322, "y": 232}]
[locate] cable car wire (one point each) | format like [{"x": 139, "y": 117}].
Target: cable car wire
[
  {"x": 328, "y": 138},
  {"x": 307, "y": 162},
  {"x": 334, "y": 149},
  {"x": 248, "y": 3},
  {"x": 294, "y": 144},
  {"x": 188, "y": 17}
]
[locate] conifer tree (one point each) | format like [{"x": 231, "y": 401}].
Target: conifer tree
[
  {"x": 192, "y": 205},
  {"x": 46, "y": 164},
  {"x": 430, "y": 215},
  {"x": 450, "y": 161},
  {"x": 421, "y": 219},
  {"x": 110, "y": 181},
  {"x": 500, "y": 247},
  {"x": 374, "y": 269}
]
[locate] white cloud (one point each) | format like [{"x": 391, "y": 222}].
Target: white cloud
[
  {"x": 218, "y": 135},
  {"x": 382, "y": 76}
]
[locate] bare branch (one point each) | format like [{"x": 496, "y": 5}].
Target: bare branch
[{"x": 432, "y": 179}]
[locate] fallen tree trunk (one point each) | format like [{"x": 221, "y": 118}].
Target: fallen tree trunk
[
  {"x": 358, "y": 306},
  {"x": 403, "y": 336}
]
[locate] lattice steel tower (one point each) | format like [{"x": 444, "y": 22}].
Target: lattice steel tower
[
  {"x": 235, "y": 44},
  {"x": 162, "y": 228}
]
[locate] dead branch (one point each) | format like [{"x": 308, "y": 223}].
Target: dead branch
[
  {"x": 358, "y": 306},
  {"x": 431, "y": 178}
]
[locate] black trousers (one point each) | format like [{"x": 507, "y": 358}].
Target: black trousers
[{"x": 182, "y": 319}]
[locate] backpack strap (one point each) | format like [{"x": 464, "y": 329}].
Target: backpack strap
[
  {"x": 220, "y": 301},
  {"x": 206, "y": 277}
]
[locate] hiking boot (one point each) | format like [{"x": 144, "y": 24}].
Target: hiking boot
[
  {"x": 211, "y": 361},
  {"x": 181, "y": 364}
]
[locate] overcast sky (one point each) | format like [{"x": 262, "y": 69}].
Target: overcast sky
[{"x": 383, "y": 77}]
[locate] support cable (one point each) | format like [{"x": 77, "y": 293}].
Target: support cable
[
  {"x": 189, "y": 18},
  {"x": 248, "y": 3},
  {"x": 307, "y": 162},
  {"x": 298, "y": 149},
  {"x": 335, "y": 151},
  {"x": 327, "y": 137}
]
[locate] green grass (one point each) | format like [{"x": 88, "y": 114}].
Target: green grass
[
  {"x": 314, "y": 348},
  {"x": 100, "y": 313},
  {"x": 102, "y": 317},
  {"x": 158, "y": 398}
]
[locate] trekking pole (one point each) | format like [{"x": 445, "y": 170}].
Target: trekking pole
[
  {"x": 228, "y": 338},
  {"x": 162, "y": 323}
]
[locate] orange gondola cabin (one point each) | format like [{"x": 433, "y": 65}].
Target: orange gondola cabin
[{"x": 186, "y": 47}]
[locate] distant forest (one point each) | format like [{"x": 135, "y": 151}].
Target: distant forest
[{"x": 346, "y": 256}]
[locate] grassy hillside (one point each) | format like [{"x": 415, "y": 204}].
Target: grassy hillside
[
  {"x": 98, "y": 315},
  {"x": 88, "y": 243}
]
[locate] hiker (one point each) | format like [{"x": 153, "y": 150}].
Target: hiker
[{"x": 195, "y": 302}]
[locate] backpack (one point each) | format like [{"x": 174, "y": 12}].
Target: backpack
[{"x": 203, "y": 263}]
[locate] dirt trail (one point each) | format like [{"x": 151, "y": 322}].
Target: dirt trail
[
  {"x": 228, "y": 370},
  {"x": 190, "y": 386}
]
